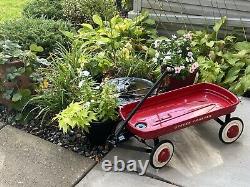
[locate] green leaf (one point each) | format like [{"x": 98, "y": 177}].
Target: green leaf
[
  {"x": 17, "y": 97},
  {"x": 36, "y": 48},
  {"x": 149, "y": 21},
  {"x": 97, "y": 20},
  {"x": 181, "y": 32},
  {"x": 210, "y": 44},
  {"x": 242, "y": 46},
  {"x": 68, "y": 34},
  {"x": 232, "y": 75},
  {"x": 247, "y": 71},
  {"x": 219, "y": 24},
  {"x": 87, "y": 26}
]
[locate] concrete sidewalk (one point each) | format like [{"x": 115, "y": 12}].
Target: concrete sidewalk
[
  {"x": 26, "y": 160},
  {"x": 200, "y": 159}
]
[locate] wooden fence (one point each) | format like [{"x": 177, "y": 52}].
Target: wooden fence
[{"x": 173, "y": 15}]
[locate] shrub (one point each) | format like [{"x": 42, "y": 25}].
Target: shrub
[
  {"x": 222, "y": 61},
  {"x": 116, "y": 48},
  {"x": 64, "y": 82},
  {"x": 81, "y": 11},
  {"x": 50, "y": 9},
  {"x": 44, "y": 33}
]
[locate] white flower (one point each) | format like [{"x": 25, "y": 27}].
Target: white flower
[
  {"x": 155, "y": 60},
  {"x": 157, "y": 43},
  {"x": 191, "y": 59},
  {"x": 87, "y": 104},
  {"x": 157, "y": 54},
  {"x": 190, "y": 54},
  {"x": 92, "y": 101},
  {"x": 84, "y": 74},
  {"x": 177, "y": 70},
  {"x": 188, "y": 36},
  {"x": 81, "y": 83},
  {"x": 187, "y": 59},
  {"x": 166, "y": 58},
  {"x": 174, "y": 36},
  {"x": 97, "y": 87}
]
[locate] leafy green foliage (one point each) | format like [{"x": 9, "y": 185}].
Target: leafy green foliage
[
  {"x": 223, "y": 61},
  {"x": 115, "y": 48},
  {"x": 76, "y": 114},
  {"x": 11, "y": 54},
  {"x": 10, "y": 51},
  {"x": 64, "y": 82},
  {"x": 49, "y": 9},
  {"x": 45, "y": 33},
  {"x": 81, "y": 11}
]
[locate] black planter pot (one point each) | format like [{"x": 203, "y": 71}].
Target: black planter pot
[
  {"x": 100, "y": 131},
  {"x": 247, "y": 94}
]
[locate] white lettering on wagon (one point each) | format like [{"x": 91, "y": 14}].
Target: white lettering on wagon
[{"x": 195, "y": 121}]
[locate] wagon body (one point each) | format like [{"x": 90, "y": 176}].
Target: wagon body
[{"x": 177, "y": 109}]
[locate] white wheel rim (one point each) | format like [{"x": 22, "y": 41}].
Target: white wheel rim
[
  {"x": 170, "y": 148},
  {"x": 225, "y": 137}
]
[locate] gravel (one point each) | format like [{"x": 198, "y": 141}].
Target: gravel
[{"x": 74, "y": 140}]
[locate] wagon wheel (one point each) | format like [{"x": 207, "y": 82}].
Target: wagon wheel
[
  {"x": 231, "y": 130},
  {"x": 161, "y": 154}
]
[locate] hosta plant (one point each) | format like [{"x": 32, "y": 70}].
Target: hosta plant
[
  {"x": 119, "y": 47},
  {"x": 223, "y": 61}
]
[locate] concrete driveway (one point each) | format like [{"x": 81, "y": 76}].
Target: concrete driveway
[{"x": 200, "y": 158}]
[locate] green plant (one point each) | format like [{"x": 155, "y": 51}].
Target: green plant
[
  {"x": 81, "y": 11},
  {"x": 120, "y": 47},
  {"x": 65, "y": 81},
  {"x": 50, "y": 9},
  {"x": 177, "y": 53},
  {"x": 76, "y": 114},
  {"x": 45, "y": 33},
  {"x": 17, "y": 67},
  {"x": 222, "y": 61}
]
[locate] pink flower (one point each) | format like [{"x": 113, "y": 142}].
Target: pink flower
[
  {"x": 193, "y": 67},
  {"x": 177, "y": 70}
]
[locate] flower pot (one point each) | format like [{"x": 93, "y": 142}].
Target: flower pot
[
  {"x": 100, "y": 131},
  {"x": 173, "y": 82},
  {"x": 247, "y": 94}
]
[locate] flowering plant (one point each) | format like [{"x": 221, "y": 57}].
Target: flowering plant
[{"x": 176, "y": 52}]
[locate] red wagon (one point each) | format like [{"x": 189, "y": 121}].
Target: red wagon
[{"x": 158, "y": 115}]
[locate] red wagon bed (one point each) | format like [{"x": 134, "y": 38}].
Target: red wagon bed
[{"x": 178, "y": 109}]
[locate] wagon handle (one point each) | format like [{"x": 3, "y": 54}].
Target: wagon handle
[{"x": 121, "y": 125}]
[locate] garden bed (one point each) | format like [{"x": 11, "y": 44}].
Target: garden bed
[{"x": 74, "y": 140}]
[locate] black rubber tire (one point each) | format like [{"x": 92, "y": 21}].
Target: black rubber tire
[
  {"x": 154, "y": 150},
  {"x": 223, "y": 127}
]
